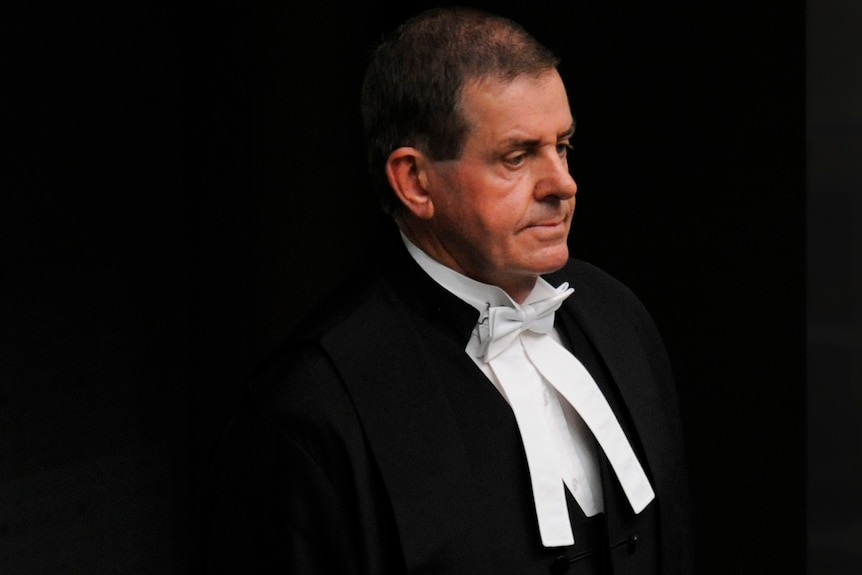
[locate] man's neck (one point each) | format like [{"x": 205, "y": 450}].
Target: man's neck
[{"x": 518, "y": 289}]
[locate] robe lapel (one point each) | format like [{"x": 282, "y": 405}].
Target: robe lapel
[
  {"x": 632, "y": 376},
  {"x": 622, "y": 343}
]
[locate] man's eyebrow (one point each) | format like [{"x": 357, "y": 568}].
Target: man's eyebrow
[
  {"x": 516, "y": 142},
  {"x": 519, "y": 143}
]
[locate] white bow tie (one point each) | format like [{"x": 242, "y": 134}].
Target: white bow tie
[{"x": 504, "y": 324}]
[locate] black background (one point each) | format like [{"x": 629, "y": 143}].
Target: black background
[{"x": 182, "y": 183}]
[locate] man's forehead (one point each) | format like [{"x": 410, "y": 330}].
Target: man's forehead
[{"x": 519, "y": 107}]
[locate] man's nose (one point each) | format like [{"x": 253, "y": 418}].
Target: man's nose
[{"x": 555, "y": 179}]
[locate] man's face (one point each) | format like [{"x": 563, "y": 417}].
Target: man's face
[{"x": 503, "y": 209}]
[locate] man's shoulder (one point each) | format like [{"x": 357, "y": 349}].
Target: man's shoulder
[
  {"x": 356, "y": 313},
  {"x": 339, "y": 307}
]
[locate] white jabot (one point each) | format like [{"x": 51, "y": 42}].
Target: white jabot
[{"x": 555, "y": 401}]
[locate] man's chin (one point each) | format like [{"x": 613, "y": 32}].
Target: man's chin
[{"x": 553, "y": 259}]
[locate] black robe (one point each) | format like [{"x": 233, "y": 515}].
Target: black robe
[{"x": 373, "y": 445}]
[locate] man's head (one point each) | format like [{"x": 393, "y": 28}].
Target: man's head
[
  {"x": 412, "y": 90},
  {"x": 472, "y": 144}
]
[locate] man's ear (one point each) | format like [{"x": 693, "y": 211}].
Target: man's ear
[{"x": 406, "y": 170}]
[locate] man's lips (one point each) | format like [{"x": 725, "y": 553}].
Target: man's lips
[
  {"x": 549, "y": 223},
  {"x": 548, "y": 230}
]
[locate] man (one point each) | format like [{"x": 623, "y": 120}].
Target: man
[{"x": 462, "y": 409}]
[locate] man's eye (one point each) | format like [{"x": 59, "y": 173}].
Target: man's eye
[
  {"x": 563, "y": 149},
  {"x": 515, "y": 160}
]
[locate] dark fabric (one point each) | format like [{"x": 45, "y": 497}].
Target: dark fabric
[{"x": 373, "y": 445}]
